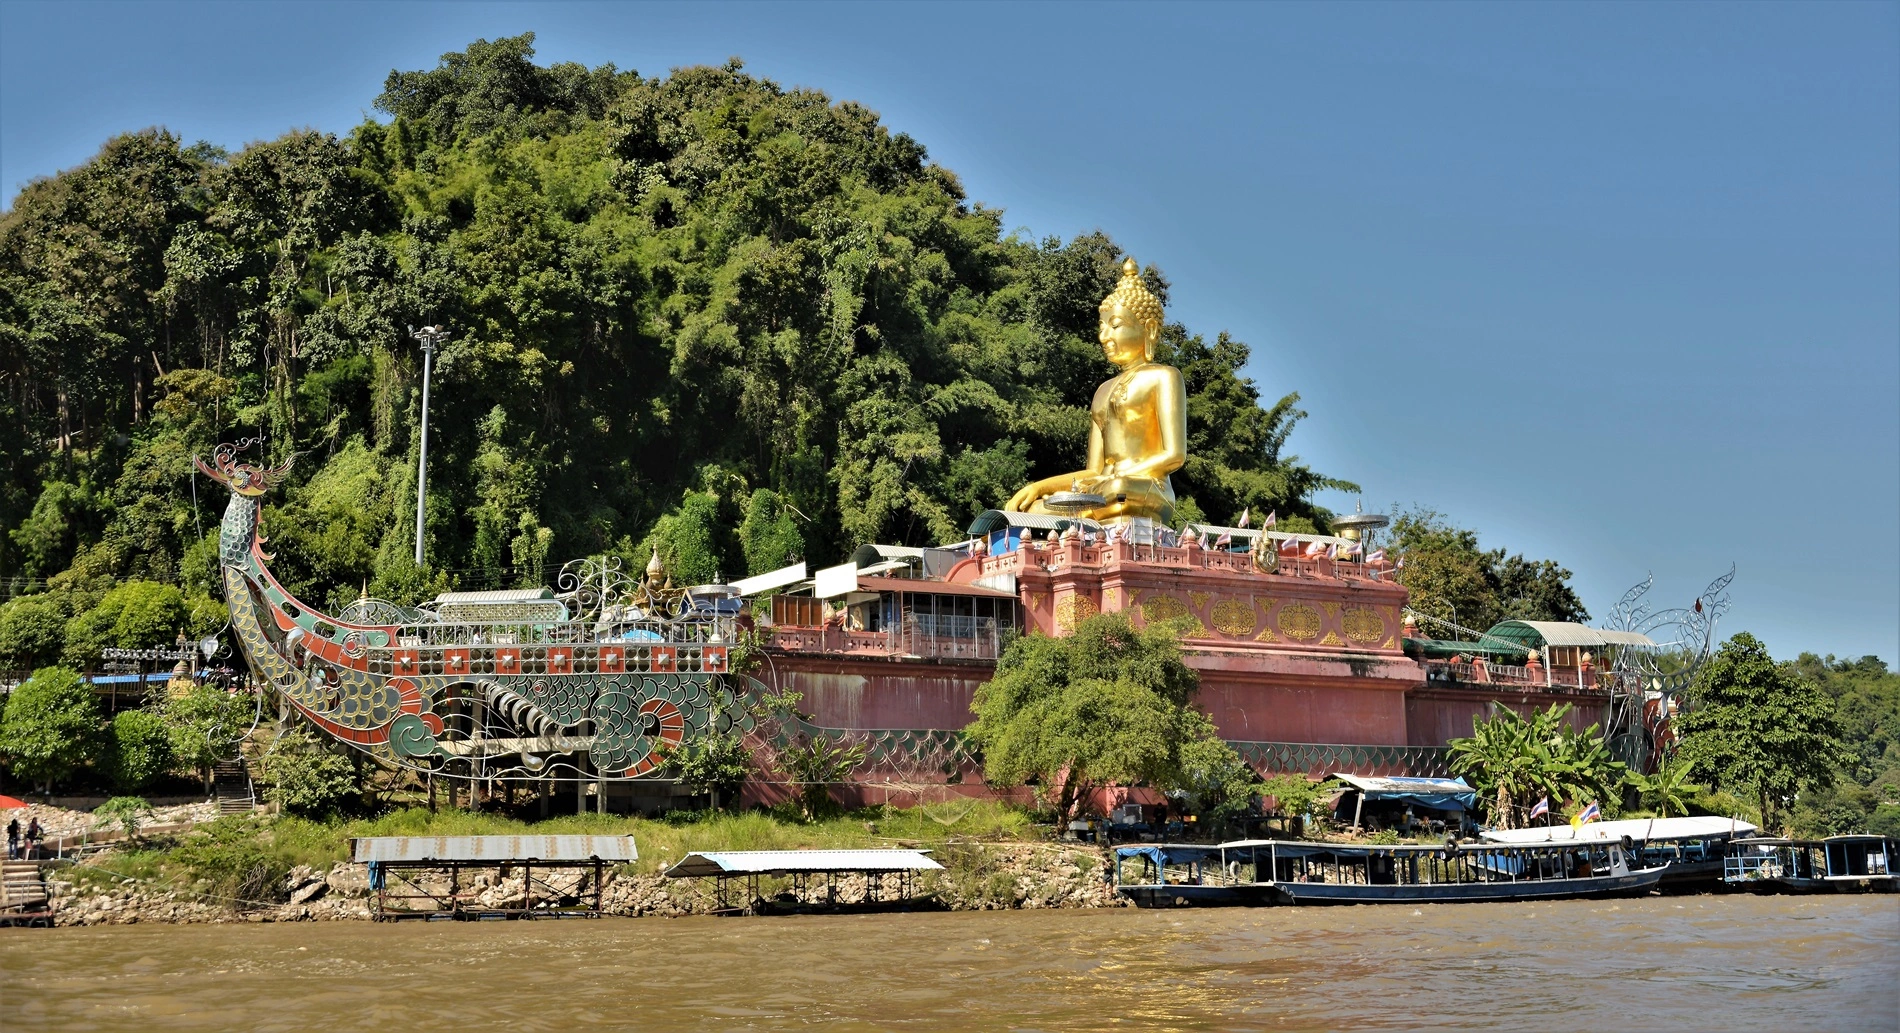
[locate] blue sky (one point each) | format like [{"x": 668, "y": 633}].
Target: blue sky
[{"x": 1617, "y": 285}]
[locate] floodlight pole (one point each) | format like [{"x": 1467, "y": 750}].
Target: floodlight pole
[{"x": 429, "y": 336}]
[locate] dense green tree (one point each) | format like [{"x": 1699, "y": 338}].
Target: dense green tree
[
  {"x": 1109, "y": 704},
  {"x": 135, "y": 615},
  {"x": 32, "y": 632},
  {"x": 307, "y": 777},
  {"x": 206, "y": 725},
  {"x": 1866, "y": 698},
  {"x": 1513, "y": 760},
  {"x": 643, "y": 278},
  {"x": 50, "y": 728},
  {"x": 1752, "y": 726},
  {"x": 138, "y": 750},
  {"x": 769, "y": 536},
  {"x": 1452, "y": 579}
]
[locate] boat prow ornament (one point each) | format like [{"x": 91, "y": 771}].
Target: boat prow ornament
[{"x": 594, "y": 684}]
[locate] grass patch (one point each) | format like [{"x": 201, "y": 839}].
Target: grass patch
[{"x": 245, "y": 859}]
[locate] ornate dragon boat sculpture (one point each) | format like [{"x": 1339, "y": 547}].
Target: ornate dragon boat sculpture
[{"x": 589, "y": 684}]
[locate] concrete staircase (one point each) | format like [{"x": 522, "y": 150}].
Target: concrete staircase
[
  {"x": 231, "y": 783},
  {"x": 21, "y": 888}
]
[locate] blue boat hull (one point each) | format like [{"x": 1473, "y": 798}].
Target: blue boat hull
[{"x": 1635, "y": 884}]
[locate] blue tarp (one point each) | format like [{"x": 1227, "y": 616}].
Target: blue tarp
[
  {"x": 1444, "y": 794},
  {"x": 121, "y": 679}
]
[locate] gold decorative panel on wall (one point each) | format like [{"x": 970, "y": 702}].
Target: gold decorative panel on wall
[
  {"x": 1234, "y": 617},
  {"x": 1363, "y": 624},
  {"x": 1299, "y": 622}
]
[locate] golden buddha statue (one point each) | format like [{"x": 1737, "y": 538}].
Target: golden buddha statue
[{"x": 1137, "y": 423}]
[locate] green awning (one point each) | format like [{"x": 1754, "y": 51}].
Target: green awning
[{"x": 1445, "y": 649}]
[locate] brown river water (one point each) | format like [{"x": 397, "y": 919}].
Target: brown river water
[{"x": 1712, "y": 962}]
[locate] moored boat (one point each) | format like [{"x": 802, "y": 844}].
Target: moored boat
[
  {"x": 1837, "y": 864},
  {"x": 1691, "y": 849},
  {"x": 1257, "y": 872}
]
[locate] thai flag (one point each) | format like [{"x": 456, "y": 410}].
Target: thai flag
[
  {"x": 1291, "y": 545},
  {"x": 1378, "y": 556},
  {"x": 1315, "y": 549},
  {"x": 1587, "y": 815},
  {"x": 1245, "y": 514},
  {"x": 1226, "y": 538},
  {"x": 1542, "y": 808},
  {"x": 1272, "y": 518}
]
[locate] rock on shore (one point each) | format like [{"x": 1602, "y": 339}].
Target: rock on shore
[{"x": 998, "y": 876}]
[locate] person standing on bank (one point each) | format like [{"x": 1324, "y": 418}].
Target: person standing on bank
[
  {"x": 13, "y": 840},
  {"x": 33, "y": 834}
]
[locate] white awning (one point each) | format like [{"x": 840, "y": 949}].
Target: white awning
[
  {"x": 1651, "y": 829},
  {"x": 780, "y": 862}
]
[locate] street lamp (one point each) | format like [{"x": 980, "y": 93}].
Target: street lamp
[{"x": 429, "y": 336}]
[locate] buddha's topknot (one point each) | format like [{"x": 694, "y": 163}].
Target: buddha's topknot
[{"x": 1132, "y": 294}]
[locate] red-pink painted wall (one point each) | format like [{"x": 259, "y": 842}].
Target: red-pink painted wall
[{"x": 1434, "y": 715}]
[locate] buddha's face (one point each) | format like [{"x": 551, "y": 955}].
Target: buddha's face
[{"x": 1125, "y": 339}]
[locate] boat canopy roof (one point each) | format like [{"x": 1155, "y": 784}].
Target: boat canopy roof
[
  {"x": 1651, "y": 829},
  {"x": 1539, "y": 634},
  {"x": 1445, "y": 794},
  {"x": 782, "y": 862},
  {"x": 498, "y": 849}
]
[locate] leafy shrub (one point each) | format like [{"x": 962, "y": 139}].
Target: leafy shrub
[
  {"x": 138, "y": 750},
  {"x": 231, "y": 861},
  {"x": 32, "y": 631},
  {"x": 51, "y": 726},
  {"x": 308, "y": 780},
  {"x": 127, "y": 812}
]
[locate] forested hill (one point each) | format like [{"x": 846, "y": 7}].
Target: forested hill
[{"x": 748, "y": 320}]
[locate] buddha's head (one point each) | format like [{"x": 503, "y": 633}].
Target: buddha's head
[{"x": 1131, "y": 320}]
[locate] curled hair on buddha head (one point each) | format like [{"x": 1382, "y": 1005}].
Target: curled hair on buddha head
[{"x": 1133, "y": 294}]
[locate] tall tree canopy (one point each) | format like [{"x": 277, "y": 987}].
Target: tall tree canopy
[
  {"x": 1451, "y": 578},
  {"x": 1752, "y": 726},
  {"x": 702, "y": 297}
]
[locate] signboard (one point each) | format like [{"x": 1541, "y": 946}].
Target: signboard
[
  {"x": 775, "y": 579},
  {"x": 836, "y": 581}
]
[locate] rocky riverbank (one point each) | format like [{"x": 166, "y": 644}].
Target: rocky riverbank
[{"x": 977, "y": 876}]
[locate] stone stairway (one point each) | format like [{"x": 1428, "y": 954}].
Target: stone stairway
[
  {"x": 231, "y": 783},
  {"x": 21, "y": 888}
]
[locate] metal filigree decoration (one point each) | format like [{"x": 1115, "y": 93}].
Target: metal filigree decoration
[
  {"x": 596, "y": 589},
  {"x": 384, "y": 612},
  {"x": 247, "y": 479},
  {"x": 1647, "y": 683}
]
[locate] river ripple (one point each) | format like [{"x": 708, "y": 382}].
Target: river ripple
[{"x": 1730, "y": 962}]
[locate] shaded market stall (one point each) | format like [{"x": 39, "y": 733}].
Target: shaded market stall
[{"x": 1445, "y": 801}]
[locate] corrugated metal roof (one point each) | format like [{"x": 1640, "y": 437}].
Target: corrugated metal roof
[
  {"x": 1561, "y": 633},
  {"x": 500, "y": 595},
  {"x": 780, "y": 862},
  {"x": 494, "y": 848},
  {"x": 1374, "y": 784}
]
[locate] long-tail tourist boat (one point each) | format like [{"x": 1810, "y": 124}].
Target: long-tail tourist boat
[
  {"x": 1837, "y": 864},
  {"x": 1692, "y": 849},
  {"x": 1265, "y": 871}
]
